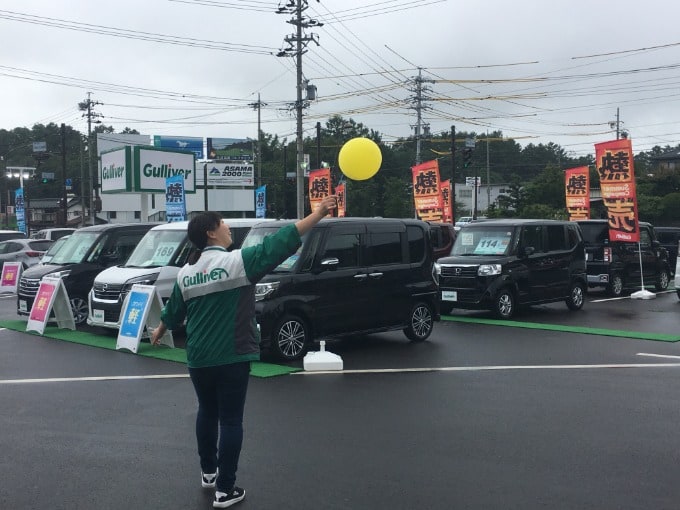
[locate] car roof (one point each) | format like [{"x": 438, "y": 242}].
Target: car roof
[
  {"x": 513, "y": 222},
  {"x": 232, "y": 222},
  {"x": 112, "y": 226},
  {"x": 331, "y": 221},
  {"x": 596, "y": 221}
]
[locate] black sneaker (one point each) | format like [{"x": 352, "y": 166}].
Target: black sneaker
[
  {"x": 208, "y": 479},
  {"x": 226, "y": 499}
]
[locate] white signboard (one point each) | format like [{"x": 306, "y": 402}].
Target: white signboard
[
  {"x": 141, "y": 309},
  {"x": 11, "y": 274},
  {"x": 116, "y": 170},
  {"x": 231, "y": 174},
  {"x": 51, "y": 296},
  {"x": 153, "y": 166}
]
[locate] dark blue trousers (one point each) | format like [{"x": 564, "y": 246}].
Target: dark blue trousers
[{"x": 221, "y": 393}]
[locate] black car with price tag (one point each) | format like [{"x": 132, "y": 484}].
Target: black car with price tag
[
  {"x": 502, "y": 264},
  {"x": 86, "y": 253}
]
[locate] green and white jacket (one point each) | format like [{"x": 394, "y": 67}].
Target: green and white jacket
[{"x": 217, "y": 297}]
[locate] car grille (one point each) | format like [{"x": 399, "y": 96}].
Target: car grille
[
  {"x": 107, "y": 291},
  {"x": 458, "y": 277},
  {"x": 29, "y": 286},
  {"x": 111, "y": 315},
  {"x": 459, "y": 271}
]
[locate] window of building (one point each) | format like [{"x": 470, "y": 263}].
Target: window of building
[
  {"x": 138, "y": 214},
  {"x": 112, "y": 215}
]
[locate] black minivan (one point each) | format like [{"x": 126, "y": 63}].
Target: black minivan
[
  {"x": 351, "y": 275},
  {"x": 84, "y": 254},
  {"x": 500, "y": 264}
]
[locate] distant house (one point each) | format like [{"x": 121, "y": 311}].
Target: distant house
[
  {"x": 47, "y": 213},
  {"x": 667, "y": 161}
]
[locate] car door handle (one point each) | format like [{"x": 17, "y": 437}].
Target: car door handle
[
  {"x": 375, "y": 276},
  {"x": 361, "y": 277}
]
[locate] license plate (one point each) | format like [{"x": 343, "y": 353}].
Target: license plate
[
  {"x": 449, "y": 295},
  {"x": 23, "y": 306},
  {"x": 97, "y": 315}
]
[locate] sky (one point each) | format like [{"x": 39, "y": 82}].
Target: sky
[{"x": 537, "y": 71}]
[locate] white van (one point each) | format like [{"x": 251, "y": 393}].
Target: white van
[{"x": 155, "y": 261}]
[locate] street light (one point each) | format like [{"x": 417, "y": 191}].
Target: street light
[{"x": 21, "y": 173}]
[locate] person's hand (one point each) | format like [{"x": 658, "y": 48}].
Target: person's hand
[
  {"x": 156, "y": 335},
  {"x": 327, "y": 204}
]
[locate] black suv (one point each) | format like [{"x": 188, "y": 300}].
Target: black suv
[
  {"x": 669, "y": 237},
  {"x": 615, "y": 265},
  {"x": 84, "y": 254},
  {"x": 351, "y": 275},
  {"x": 500, "y": 264}
]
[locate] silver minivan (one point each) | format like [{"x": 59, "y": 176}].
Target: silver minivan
[{"x": 155, "y": 261}]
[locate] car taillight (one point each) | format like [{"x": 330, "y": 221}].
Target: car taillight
[
  {"x": 34, "y": 253},
  {"x": 607, "y": 255}
]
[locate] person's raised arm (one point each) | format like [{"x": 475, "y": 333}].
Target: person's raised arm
[{"x": 326, "y": 205}]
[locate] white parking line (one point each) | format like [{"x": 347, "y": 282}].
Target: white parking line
[
  {"x": 103, "y": 378},
  {"x": 482, "y": 368},
  {"x": 657, "y": 355}
]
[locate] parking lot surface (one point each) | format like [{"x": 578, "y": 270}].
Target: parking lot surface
[{"x": 480, "y": 416}]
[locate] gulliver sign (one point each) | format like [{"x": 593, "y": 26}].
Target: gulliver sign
[
  {"x": 153, "y": 166},
  {"x": 116, "y": 170}
]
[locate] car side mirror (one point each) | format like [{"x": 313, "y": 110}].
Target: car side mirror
[{"x": 528, "y": 250}]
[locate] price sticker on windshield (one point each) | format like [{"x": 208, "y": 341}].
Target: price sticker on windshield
[
  {"x": 163, "y": 253},
  {"x": 491, "y": 246}
]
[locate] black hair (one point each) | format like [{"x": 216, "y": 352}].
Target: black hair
[{"x": 200, "y": 225}]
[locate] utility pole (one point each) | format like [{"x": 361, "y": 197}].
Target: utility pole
[
  {"x": 63, "y": 174},
  {"x": 419, "y": 107},
  {"x": 453, "y": 174},
  {"x": 92, "y": 117},
  {"x": 258, "y": 106},
  {"x": 297, "y": 46}
]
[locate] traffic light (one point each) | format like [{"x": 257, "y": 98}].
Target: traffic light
[{"x": 467, "y": 157}]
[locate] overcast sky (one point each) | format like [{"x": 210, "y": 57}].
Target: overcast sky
[{"x": 540, "y": 71}]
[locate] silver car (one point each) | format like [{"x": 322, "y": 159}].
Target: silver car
[{"x": 28, "y": 251}]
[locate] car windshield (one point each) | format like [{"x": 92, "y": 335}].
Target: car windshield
[
  {"x": 54, "y": 248},
  {"x": 256, "y": 235},
  {"x": 157, "y": 248},
  {"x": 483, "y": 240},
  {"x": 75, "y": 248}
]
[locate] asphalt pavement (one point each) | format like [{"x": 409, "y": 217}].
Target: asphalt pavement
[{"x": 478, "y": 417}]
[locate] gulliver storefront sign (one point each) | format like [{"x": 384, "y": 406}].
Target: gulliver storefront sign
[
  {"x": 145, "y": 169},
  {"x": 117, "y": 170}
]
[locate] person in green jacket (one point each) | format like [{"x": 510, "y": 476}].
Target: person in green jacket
[{"x": 216, "y": 296}]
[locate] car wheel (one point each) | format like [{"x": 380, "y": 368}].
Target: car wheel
[
  {"x": 290, "y": 338},
  {"x": 445, "y": 307},
  {"x": 615, "y": 287},
  {"x": 576, "y": 296},
  {"x": 663, "y": 280},
  {"x": 504, "y": 304},
  {"x": 420, "y": 322},
  {"x": 79, "y": 309}
]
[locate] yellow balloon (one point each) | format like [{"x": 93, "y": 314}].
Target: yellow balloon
[{"x": 360, "y": 159}]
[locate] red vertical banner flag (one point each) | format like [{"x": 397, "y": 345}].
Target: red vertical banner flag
[
  {"x": 446, "y": 201},
  {"x": 614, "y": 163},
  {"x": 577, "y": 191},
  {"x": 427, "y": 193},
  {"x": 319, "y": 186},
  {"x": 342, "y": 200}
]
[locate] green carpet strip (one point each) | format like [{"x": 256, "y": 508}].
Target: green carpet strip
[
  {"x": 639, "y": 335},
  {"x": 257, "y": 368}
]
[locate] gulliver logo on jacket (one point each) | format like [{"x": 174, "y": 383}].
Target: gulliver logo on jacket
[{"x": 205, "y": 277}]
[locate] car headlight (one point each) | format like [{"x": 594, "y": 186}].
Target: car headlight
[
  {"x": 489, "y": 269},
  {"x": 60, "y": 274},
  {"x": 139, "y": 280},
  {"x": 264, "y": 290}
]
